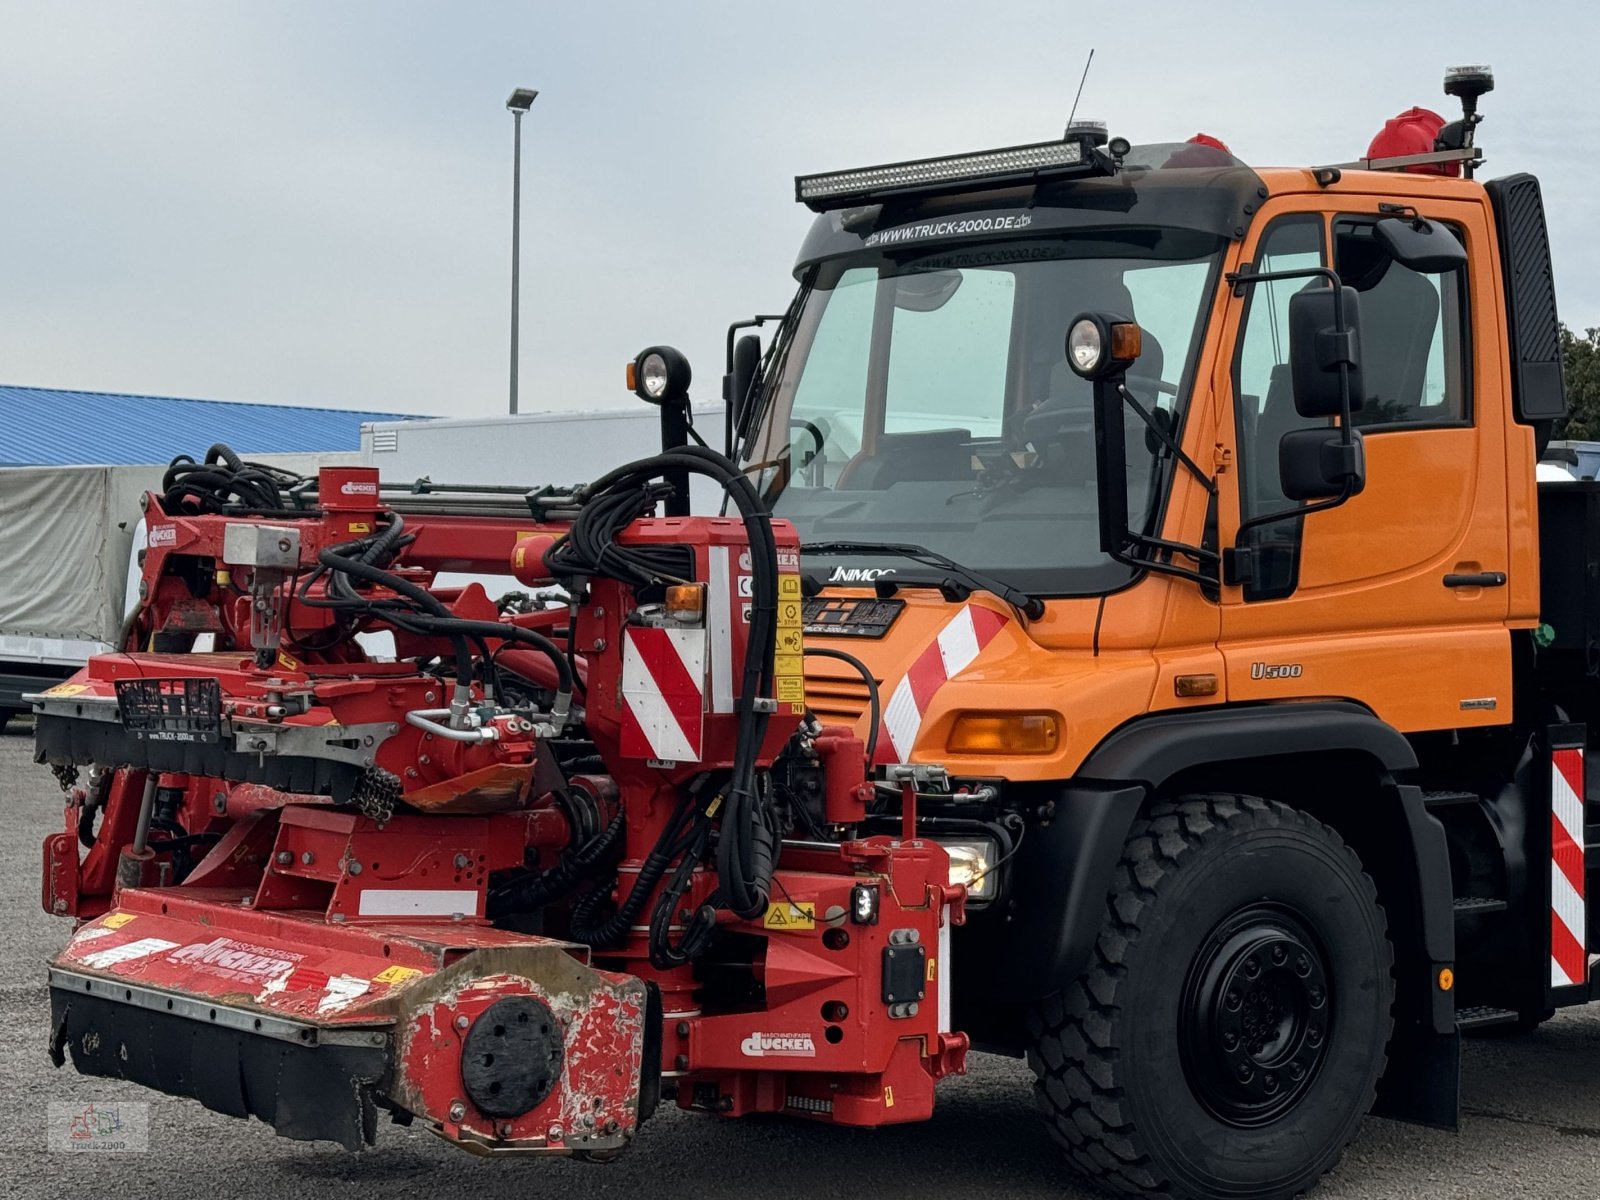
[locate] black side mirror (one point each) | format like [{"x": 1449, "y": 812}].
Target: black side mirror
[
  {"x": 1315, "y": 464},
  {"x": 1424, "y": 246},
  {"x": 746, "y": 363},
  {"x": 1318, "y": 347}
]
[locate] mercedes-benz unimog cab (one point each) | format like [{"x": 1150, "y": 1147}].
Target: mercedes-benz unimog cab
[{"x": 1184, "y": 512}]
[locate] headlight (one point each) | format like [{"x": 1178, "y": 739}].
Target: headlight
[
  {"x": 660, "y": 375},
  {"x": 1099, "y": 343},
  {"x": 653, "y": 375},
  {"x": 1085, "y": 346},
  {"x": 972, "y": 863}
]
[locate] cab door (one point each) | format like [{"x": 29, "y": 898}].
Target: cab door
[{"x": 1396, "y": 598}]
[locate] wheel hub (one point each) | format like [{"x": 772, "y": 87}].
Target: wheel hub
[{"x": 1255, "y": 1016}]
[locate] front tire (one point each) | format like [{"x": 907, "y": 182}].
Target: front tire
[{"x": 1230, "y": 1030}]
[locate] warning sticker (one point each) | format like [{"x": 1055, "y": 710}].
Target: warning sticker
[
  {"x": 789, "y": 641},
  {"x": 789, "y": 585},
  {"x": 117, "y": 920},
  {"x": 67, "y": 689},
  {"x": 791, "y": 689},
  {"x": 395, "y": 974},
  {"x": 790, "y": 916},
  {"x": 359, "y": 527},
  {"x": 788, "y": 614},
  {"x": 788, "y": 664},
  {"x": 287, "y": 661}
]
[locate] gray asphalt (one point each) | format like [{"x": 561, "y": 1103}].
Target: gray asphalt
[{"x": 1532, "y": 1123}]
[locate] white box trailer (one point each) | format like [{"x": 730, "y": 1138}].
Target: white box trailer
[
  {"x": 69, "y": 538},
  {"x": 527, "y": 450},
  {"x": 531, "y": 449}
]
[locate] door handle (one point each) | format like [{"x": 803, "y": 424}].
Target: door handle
[{"x": 1481, "y": 579}]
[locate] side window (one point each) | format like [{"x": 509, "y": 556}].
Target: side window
[
  {"x": 1413, "y": 342},
  {"x": 1264, "y": 403}
]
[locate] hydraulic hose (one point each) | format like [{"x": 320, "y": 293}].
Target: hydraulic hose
[
  {"x": 748, "y": 844},
  {"x": 874, "y": 701}
]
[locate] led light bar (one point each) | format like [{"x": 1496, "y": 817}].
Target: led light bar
[{"x": 1017, "y": 164}]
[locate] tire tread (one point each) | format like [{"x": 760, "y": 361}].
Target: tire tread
[{"x": 1074, "y": 1056}]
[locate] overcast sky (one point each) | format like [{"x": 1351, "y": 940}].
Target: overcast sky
[{"x": 309, "y": 203}]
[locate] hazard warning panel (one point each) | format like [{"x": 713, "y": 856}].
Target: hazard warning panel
[{"x": 663, "y": 693}]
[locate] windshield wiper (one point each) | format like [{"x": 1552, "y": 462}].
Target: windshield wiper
[{"x": 1030, "y": 606}]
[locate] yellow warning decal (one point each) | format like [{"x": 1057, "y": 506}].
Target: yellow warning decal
[
  {"x": 888, "y": 1097},
  {"x": 118, "y": 919},
  {"x": 789, "y": 641},
  {"x": 788, "y": 614},
  {"x": 288, "y": 662},
  {"x": 67, "y": 689},
  {"x": 933, "y": 969},
  {"x": 790, "y": 916},
  {"x": 788, "y": 664},
  {"x": 395, "y": 974},
  {"x": 788, "y": 585},
  {"x": 792, "y": 689},
  {"x": 360, "y": 527}
]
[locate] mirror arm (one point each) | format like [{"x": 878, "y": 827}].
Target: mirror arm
[
  {"x": 1285, "y": 514},
  {"x": 1165, "y": 568},
  {"x": 1167, "y": 440}
]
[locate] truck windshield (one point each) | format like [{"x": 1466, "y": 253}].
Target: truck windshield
[{"x": 926, "y": 398}]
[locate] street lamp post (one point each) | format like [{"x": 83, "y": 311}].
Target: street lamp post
[{"x": 521, "y": 100}]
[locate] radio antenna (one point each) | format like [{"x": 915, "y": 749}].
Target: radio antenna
[{"x": 1081, "y": 80}]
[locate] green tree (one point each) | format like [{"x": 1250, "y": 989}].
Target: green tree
[{"x": 1580, "y": 359}]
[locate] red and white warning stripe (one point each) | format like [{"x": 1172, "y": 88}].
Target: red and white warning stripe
[
  {"x": 1568, "y": 952},
  {"x": 960, "y": 641},
  {"x": 663, "y": 693}
]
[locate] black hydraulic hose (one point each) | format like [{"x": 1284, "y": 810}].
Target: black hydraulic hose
[
  {"x": 874, "y": 703},
  {"x": 535, "y": 891},
  {"x": 655, "y": 865},
  {"x": 748, "y": 844},
  {"x": 431, "y": 603},
  {"x": 510, "y": 633}
]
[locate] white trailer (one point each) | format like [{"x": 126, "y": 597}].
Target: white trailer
[
  {"x": 530, "y": 449},
  {"x": 68, "y": 558}
]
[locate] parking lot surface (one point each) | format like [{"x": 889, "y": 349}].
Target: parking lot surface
[{"x": 1531, "y": 1125}]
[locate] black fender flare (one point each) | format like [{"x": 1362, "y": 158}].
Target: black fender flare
[{"x": 1064, "y": 869}]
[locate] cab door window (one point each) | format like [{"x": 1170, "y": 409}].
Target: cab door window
[
  {"x": 1264, "y": 404},
  {"x": 1414, "y": 350}
]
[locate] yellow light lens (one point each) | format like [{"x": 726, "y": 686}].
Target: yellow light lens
[
  {"x": 633, "y": 379},
  {"x": 1127, "y": 340},
  {"x": 686, "y": 601},
  {"x": 1195, "y": 685},
  {"x": 1004, "y": 733},
  {"x": 1447, "y": 979}
]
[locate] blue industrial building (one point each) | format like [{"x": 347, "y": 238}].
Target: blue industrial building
[{"x": 51, "y": 427}]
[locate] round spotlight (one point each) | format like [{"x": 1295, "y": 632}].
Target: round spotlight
[
  {"x": 661, "y": 374},
  {"x": 1119, "y": 147},
  {"x": 1085, "y": 347},
  {"x": 1099, "y": 344}
]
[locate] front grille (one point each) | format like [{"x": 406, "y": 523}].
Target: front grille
[{"x": 837, "y": 700}]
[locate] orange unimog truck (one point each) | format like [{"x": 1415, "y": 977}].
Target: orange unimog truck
[{"x": 1261, "y": 666}]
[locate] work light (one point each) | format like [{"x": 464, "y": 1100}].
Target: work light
[
  {"x": 1098, "y": 343},
  {"x": 660, "y": 374}
]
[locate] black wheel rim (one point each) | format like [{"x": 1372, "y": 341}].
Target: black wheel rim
[{"x": 1256, "y": 1016}]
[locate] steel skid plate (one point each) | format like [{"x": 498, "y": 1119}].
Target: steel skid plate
[{"x": 316, "y": 1027}]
